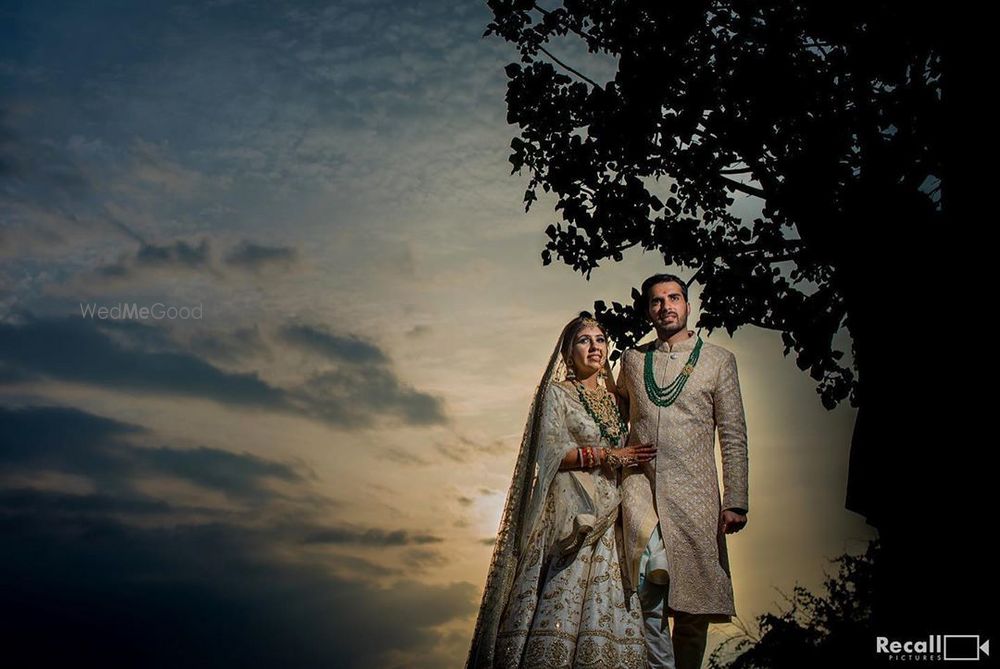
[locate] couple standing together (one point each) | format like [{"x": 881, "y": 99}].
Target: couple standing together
[{"x": 611, "y": 526}]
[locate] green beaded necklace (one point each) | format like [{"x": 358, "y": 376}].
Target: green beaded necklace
[
  {"x": 622, "y": 427},
  {"x": 664, "y": 397}
]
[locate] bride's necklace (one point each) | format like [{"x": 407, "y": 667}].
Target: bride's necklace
[
  {"x": 601, "y": 406},
  {"x": 665, "y": 396}
]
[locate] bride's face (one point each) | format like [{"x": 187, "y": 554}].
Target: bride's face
[{"x": 590, "y": 350}]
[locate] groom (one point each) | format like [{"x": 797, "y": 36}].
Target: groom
[{"x": 680, "y": 389}]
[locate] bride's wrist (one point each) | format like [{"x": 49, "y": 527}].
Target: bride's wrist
[{"x": 589, "y": 456}]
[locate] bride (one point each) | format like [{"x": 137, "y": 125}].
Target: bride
[{"x": 554, "y": 595}]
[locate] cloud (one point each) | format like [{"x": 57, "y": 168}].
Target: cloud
[
  {"x": 349, "y": 394},
  {"x": 9, "y": 374},
  {"x": 122, "y": 579},
  {"x": 51, "y": 504},
  {"x": 421, "y": 558},
  {"x": 398, "y": 456},
  {"x": 251, "y": 257},
  {"x": 71, "y": 441},
  {"x": 197, "y": 595},
  {"x": 419, "y": 330},
  {"x": 178, "y": 254},
  {"x": 361, "y": 378},
  {"x": 229, "y": 347},
  {"x": 370, "y": 537},
  {"x": 462, "y": 449},
  {"x": 173, "y": 257},
  {"x": 360, "y": 391},
  {"x": 181, "y": 256},
  {"x": 337, "y": 348},
  {"x": 153, "y": 166},
  {"x": 36, "y": 163},
  {"x": 80, "y": 350}
]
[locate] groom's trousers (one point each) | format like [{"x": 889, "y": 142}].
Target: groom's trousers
[{"x": 685, "y": 647}]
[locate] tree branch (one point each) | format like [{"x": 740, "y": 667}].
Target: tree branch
[
  {"x": 781, "y": 258},
  {"x": 749, "y": 190},
  {"x": 785, "y": 244},
  {"x": 587, "y": 38},
  {"x": 756, "y": 167},
  {"x": 567, "y": 67}
]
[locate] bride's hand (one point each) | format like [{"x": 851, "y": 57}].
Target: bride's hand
[{"x": 635, "y": 454}]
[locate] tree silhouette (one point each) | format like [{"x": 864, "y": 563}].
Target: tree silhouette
[
  {"x": 827, "y": 117},
  {"x": 800, "y": 106},
  {"x": 831, "y": 630}
]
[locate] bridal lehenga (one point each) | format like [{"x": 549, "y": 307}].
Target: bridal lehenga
[{"x": 555, "y": 595}]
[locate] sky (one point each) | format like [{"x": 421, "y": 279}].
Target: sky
[{"x": 303, "y": 451}]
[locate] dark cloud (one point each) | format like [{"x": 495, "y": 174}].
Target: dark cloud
[
  {"x": 251, "y": 257},
  {"x": 337, "y": 348},
  {"x": 116, "y": 270},
  {"x": 68, "y": 505},
  {"x": 361, "y": 567},
  {"x": 357, "y": 391},
  {"x": 11, "y": 374},
  {"x": 422, "y": 558},
  {"x": 173, "y": 257},
  {"x": 132, "y": 356},
  {"x": 178, "y": 254},
  {"x": 462, "y": 449},
  {"x": 54, "y": 190},
  {"x": 212, "y": 595},
  {"x": 402, "y": 457},
  {"x": 67, "y": 440},
  {"x": 158, "y": 591},
  {"x": 137, "y": 335},
  {"x": 183, "y": 256},
  {"x": 33, "y": 165},
  {"x": 360, "y": 382},
  {"x": 369, "y": 537},
  {"x": 229, "y": 347},
  {"x": 81, "y": 350}
]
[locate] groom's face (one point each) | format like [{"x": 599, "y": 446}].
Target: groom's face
[{"x": 668, "y": 310}]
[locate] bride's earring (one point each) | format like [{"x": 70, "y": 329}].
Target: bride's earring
[{"x": 570, "y": 371}]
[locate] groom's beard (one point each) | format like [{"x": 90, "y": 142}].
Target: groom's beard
[{"x": 668, "y": 329}]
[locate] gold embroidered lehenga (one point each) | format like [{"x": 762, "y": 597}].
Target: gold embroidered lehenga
[{"x": 554, "y": 596}]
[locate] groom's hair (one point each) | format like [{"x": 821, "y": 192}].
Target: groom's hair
[{"x": 647, "y": 285}]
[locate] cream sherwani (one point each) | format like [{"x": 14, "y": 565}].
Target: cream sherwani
[{"x": 683, "y": 479}]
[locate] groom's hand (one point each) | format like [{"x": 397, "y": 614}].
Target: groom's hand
[{"x": 733, "y": 521}]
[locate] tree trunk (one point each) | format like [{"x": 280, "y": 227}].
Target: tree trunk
[{"x": 912, "y": 462}]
